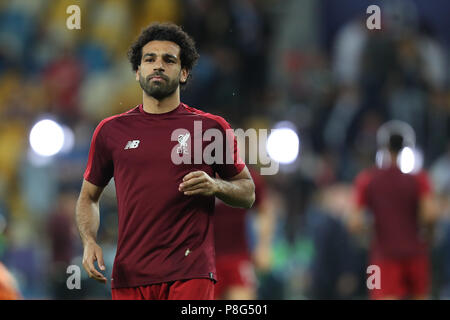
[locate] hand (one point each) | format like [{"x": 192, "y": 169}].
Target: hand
[
  {"x": 93, "y": 252},
  {"x": 198, "y": 183}
]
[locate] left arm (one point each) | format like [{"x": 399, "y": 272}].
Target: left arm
[{"x": 238, "y": 191}]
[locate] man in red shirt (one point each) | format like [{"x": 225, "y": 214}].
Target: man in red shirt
[
  {"x": 401, "y": 206},
  {"x": 165, "y": 246},
  {"x": 235, "y": 263}
]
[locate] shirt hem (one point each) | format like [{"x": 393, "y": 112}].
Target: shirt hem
[{"x": 151, "y": 282}]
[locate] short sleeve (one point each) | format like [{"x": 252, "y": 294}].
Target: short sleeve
[
  {"x": 360, "y": 189},
  {"x": 99, "y": 169},
  {"x": 424, "y": 183},
  {"x": 232, "y": 164}
]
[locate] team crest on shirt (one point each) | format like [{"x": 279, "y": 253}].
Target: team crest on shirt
[{"x": 182, "y": 141}]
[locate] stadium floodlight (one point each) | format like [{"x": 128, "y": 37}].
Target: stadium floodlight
[
  {"x": 405, "y": 160},
  {"x": 410, "y": 160},
  {"x": 283, "y": 143},
  {"x": 47, "y": 138}
]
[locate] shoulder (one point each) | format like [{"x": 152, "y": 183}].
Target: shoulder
[
  {"x": 423, "y": 180},
  {"x": 107, "y": 122},
  {"x": 215, "y": 119},
  {"x": 422, "y": 175},
  {"x": 364, "y": 177}
]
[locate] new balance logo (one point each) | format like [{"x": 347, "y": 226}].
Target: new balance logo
[{"x": 132, "y": 144}]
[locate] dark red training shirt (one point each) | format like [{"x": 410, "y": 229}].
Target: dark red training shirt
[
  {"x": 230, "y": 223},
  {"x": 393, "y": 198},
  {"x": 163, "y": 234}
]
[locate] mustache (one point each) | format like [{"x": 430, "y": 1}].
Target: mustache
[{"x": 157, "y": 75}]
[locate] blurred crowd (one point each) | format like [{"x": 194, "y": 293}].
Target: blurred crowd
[{"x": 261, "y": 61}]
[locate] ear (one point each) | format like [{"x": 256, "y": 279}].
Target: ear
[
  {"x": 137, "y": 73},
  {"x": 184, "y": 75}
]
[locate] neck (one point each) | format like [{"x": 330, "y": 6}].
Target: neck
[{"x": 152, "y": 105}]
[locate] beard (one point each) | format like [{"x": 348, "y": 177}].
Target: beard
[{"x": 159, "y": 89}]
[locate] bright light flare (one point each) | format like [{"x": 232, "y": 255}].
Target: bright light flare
[
  {"x": 283, "y": 145},
  {"x": 47, "y": 138},
  {"x": 410, "y": 160}
]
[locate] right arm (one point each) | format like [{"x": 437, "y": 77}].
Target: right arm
[
  {"x": 88, "y": 221},
  {"x": 355, "y": 221},
  {"x": 428, "y": 211}
]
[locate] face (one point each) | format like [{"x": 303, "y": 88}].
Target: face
[{"x": 160, "y": 72}]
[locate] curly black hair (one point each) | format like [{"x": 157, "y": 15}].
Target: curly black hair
[{"x": 165, "y": 32}]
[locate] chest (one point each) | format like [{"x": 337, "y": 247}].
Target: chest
[{"x": 159, "y": 144}]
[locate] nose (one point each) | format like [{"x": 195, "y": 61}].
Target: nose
[{"x": 158, "y": 65}]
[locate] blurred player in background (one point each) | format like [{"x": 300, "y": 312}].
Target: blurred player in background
[
  {"x": 235, "y": 262},
  {"x": 402, "y": 208},
  {"x": 165, "y": 244},
  {"x": 8, "y": 289}
]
